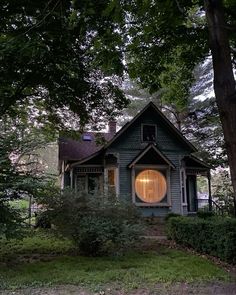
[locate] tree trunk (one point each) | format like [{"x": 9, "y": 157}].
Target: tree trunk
[{"x": 224, "y": 82}]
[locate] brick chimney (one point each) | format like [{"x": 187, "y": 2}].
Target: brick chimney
[{"x": 112, "y": 127}]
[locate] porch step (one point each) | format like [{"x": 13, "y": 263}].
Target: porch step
[
  {"x": 158, "y": 238},
  {"x": 155, "y": 230}
]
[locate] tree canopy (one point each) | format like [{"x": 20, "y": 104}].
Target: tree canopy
[
  {"x": 201, "y": 28},
  {"x": 69, "y": 56},
  {"x": 60, "y": 55}
]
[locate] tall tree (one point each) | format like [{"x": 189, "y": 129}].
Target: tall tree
[
  {"x": 60, "y": 53},
  {"x": 159, "y": 28},
  {"x": 224, "y": 81}
]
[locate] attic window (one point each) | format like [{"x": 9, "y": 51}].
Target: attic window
[
  {"x": 148, "y": 133},
  {"x": 87, "y": 137}
]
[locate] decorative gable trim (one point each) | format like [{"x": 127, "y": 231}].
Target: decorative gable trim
[
  {"x": 151, "y": 146},
  {"x": 166, "y": 121}
]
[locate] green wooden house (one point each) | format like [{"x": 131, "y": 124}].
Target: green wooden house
[{"x": 148, "y": 162}]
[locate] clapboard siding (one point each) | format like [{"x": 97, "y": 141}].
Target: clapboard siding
[{"x": 129, "y": 144}]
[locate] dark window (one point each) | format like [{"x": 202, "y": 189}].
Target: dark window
[
  {"x": 93, "y": 183},
  {"x": 149, "y": 133},
  {"x": 110, "y": 159},
  {"x": 89, "y": 183},
  {"x": 81, "y": 183}
]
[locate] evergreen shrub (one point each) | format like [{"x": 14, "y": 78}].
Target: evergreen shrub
[
  {"x": 42, "y": 220},
  {"x": 215, "y": 236},
  {"x": 170, "y": 215},
  {"x": 205, "y": 214},
  {"x": 96, "y": 224}
]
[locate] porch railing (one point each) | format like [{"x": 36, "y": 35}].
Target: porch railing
[{"x": 216, "y": 208}]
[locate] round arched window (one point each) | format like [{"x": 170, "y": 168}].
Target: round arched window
[{"x": 150, "y": 186}]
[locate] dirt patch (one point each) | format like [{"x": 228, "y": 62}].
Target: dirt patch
[{"x": 160, "y": 289}]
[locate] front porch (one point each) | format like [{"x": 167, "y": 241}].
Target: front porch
[
  {"x": 152, "y": 182},
  {"x": 192, "y": 203}
]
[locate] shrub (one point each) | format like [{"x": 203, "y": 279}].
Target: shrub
[
  {"x": 10, "y": 221},
  {"x": 215, "y": 236},
  {"x": 205, "y": 214},
  {"x": 170, "y": 215},
  {"x": 97, "y": 225},
  {"x": 42, "y": 220}
]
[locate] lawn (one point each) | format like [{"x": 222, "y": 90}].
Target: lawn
[{"x": 41, "y": 259}]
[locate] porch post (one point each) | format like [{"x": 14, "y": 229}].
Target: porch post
[
  {"x": 71, "y": 178},
  {"x": 209, "y": 190}
]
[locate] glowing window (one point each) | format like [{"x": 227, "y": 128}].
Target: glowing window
[
  {"x": 111, "y": 177},
  {"x": 150, "y": 186},
  {"x": 112, "y": 181}
]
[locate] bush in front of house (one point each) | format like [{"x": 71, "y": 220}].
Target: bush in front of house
[
  {"x": 170, "y": 215},
  {"x": 96, "y": 224},
  {"x": 42, "y": 220},
  {"x": 215, "y": 236},
  {"x": 205, "y": 214}
]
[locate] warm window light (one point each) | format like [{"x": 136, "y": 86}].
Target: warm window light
[
  {"x": 144, "y": 180},
  {"x": 150, "y": 186}
]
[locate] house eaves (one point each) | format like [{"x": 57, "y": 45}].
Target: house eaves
[{"x": 165, "y": 120}]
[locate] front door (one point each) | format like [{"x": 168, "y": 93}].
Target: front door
[{"x": 191, "y": 185}]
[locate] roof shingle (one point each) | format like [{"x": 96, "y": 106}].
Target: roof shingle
[{"x": 75, "y": 150}]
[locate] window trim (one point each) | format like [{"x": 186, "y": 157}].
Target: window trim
[
  {"x": 183, "y": 186},
  {"x": 100, "y": 179},
  {"x": 159, "y": 168},
  {"x": 148, "y": 141},
  {"x": 157, "y": 172},
  {"x": 117, "y": 183}
]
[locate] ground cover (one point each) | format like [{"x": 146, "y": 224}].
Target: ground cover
[
  {"x": 57, "y": 263},
  {"x": 35, "y": 243}
]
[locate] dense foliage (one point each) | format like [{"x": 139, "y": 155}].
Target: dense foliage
[
  {"x": 21, "y": 173},
  {"x": 213, "y": 235},
  {"x": 95, "y": 224},
  {"x": 162, "y": 28},
  {"x": 222, "y": 191},
  {"x": 57, "y": 56}
]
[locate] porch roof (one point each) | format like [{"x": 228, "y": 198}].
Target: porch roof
[
  {"x": 196, "y": 166},
  {"x": 152, "y": 149},
  {"x": 192, "y": 161}
]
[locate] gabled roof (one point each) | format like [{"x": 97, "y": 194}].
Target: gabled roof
[
  {"x": 178, "y": 134},
  {"x": 77, "y": 150},
  {"x": 82, "y": 151},
  {"x": 193, "y": 161},
  {"x": 158, "y": 153}
]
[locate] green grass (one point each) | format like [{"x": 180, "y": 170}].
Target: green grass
[
  {"x": 42, "y": 242},
  {"x": 134, "y": 270}
]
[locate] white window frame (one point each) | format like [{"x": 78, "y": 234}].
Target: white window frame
[
  {"x": 117, "y": 184},
  {"x": 183, "y": 186}
]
